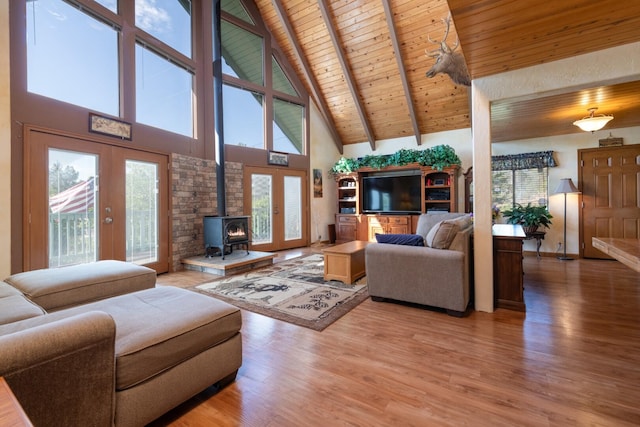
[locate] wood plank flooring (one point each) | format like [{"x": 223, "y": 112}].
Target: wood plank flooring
[{"x": 572, "y": 359}]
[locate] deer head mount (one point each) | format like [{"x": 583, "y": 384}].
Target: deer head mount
[{"x": 448, "y": 61}]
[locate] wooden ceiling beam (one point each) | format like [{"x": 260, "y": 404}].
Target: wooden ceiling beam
[
  {"x": 402, "y": 70},
  {"x": 348, "y": 75},
  {"x": 313, "y": 83}
]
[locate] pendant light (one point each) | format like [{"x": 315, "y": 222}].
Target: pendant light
[{"x": 592, "y": 123}]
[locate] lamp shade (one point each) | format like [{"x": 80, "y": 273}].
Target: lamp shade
[
  {"x": 592, "y": 122},
  {"x": 566, "y": 186}
]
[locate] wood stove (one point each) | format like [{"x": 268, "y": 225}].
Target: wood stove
[{"x": 221, "y": 233}]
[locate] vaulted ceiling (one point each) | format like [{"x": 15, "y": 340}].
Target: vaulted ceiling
[{"x": 364, "y": 61}]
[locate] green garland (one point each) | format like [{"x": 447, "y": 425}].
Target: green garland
[{"x": 438, "y": 157}]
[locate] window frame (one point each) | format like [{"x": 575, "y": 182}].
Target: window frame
[{"x": 269, "y": 51}]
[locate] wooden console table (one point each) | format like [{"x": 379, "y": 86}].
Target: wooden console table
[
  {"x": 11, "y": 413},
  {"x": 627, "y": 251},
  {"x": 508, "y": 281},
  {"x": 345, "y": 262}
]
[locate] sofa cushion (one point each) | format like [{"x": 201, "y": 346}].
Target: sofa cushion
[
  {"x": 159, "y": 328},
  {"x": 428, "y": 220},
  {"x": 7, "y": 290},
  {"x": 16, "y": 307},
  {"x": 441, "y": 235},
  {"x": 462, "y": 222},
  {"x": 400, "y": 239},
  {"x": 57, "y": 288}
]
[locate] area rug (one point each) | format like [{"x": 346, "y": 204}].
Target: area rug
[{"x": 294, "y": 291}]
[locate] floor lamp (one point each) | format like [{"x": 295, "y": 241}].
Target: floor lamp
[{"x": 565, "y": 186}]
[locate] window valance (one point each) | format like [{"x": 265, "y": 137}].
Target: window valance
[{"x": 538, "y": 160}]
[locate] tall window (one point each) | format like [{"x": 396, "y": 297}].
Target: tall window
[
  {"x": 164, "y": 93},
  {"x": 521, "y": 178},
  {"x": 243, "y": 117},
  {"x": 164, "y": 83},
  {"x": 167, "y": 20},
  {"x": 72, "y": 56},
  {"x": 74, "y": 51},
  {"x": 262, "y": 107}
]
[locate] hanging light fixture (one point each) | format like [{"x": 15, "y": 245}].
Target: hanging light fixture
[{"x": 592, "y": 123}]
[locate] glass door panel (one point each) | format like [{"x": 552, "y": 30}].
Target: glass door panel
[
  {"x": 292, "y": 208},
  {"x": 141, "y": 199},
  {"x": 261, "y": 209},
  {"x": 73, "y": 204}
]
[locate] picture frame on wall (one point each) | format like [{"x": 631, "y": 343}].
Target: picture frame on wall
[
  {"x": 278, "y": 158},
  {"x": 317, "y": 183},
  {"x": 109, "y": 126}
]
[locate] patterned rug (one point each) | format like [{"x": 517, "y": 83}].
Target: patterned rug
[{"x": 293, "y": 291}]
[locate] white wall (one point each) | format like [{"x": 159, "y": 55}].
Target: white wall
[
  {"x": 5, "y": 144},
  {"x": 324, "y": 154}
]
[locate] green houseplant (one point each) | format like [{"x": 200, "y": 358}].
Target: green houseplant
[
  {"x": 438, "y": 157},
  {"x": 530, "y": 217}
]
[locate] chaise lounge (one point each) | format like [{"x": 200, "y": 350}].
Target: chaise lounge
[{"x": 111, "y": 359}]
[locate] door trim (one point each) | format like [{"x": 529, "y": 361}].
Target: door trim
[{"x": 278, "y": 174}]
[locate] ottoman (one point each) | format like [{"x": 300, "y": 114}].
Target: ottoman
[
  {"x": 171, "y": 344},
  {"x": 168, "y": 345},
  {"x": 57, "y": 288}
]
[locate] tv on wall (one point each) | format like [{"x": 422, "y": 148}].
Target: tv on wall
[{"x": 391, "y": 194}]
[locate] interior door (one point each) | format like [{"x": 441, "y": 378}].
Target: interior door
[
  {"x": 610, "y": 180},
  {"x": 87, "y": 201},
  {"x": 276, "y": 201}
]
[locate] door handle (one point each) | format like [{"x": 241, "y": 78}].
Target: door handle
[{"x": 108, "y": 220}]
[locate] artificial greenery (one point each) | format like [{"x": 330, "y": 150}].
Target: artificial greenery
[
  {"x": 528, "y": 216},
  {"x": 438, "y": 157}
]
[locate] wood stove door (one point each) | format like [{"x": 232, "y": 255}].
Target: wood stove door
[{"x": 277, "y": 201}]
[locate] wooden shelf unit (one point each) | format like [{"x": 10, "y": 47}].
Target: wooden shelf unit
[
  {"x": 439, "y": 193},
  {"x": 347, "y": 219},
  {"x": 348, "y": 194},
  {"x": 440, "y": 189}
]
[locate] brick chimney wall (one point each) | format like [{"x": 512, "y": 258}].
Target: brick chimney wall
[{"x": 193, "y": 186}]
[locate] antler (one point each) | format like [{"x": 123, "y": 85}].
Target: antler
[
  {"x": 448, "y": 61},
  {"x": 444, "y": 48}
]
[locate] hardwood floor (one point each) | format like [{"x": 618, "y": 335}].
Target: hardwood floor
[{"x": 572, "y": 359}]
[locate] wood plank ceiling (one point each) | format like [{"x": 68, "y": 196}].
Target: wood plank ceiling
[{"x": 364, "y": 61}]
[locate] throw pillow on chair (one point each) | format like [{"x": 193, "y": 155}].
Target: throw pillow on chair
[{"x": 400, "y": 239}]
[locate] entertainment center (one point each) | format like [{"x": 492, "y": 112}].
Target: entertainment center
[{"x": 390, "y": 200}]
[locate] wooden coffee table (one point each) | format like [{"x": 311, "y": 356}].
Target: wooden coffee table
[{"x": 345, "y": 262}]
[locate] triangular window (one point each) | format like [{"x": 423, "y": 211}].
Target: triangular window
[
  {"x": 280, "y": 80},
  {"x": 235, "y": 8}
]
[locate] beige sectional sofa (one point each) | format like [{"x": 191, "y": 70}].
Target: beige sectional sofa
[
  {"x": 437, "y": 274},
  {"x": 99, "y": 344}
]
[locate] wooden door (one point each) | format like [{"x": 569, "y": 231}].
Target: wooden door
[
  {"x": 87, "y": 201},
  {"x": 276, "y": 200},
  {"x": 609, "y": 179}
]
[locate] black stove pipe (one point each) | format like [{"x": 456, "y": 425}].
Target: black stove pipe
[{"x": 217, "y": 109}]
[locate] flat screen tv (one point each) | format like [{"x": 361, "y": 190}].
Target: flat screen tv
[{"x": 391, "y": 194}]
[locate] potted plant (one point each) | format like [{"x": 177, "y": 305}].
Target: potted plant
[{"x": 530, "y": 217}]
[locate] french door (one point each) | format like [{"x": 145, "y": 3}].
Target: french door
[
  {"x": 86, "y": 201},
  {"x": 277, "y": 200}
]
